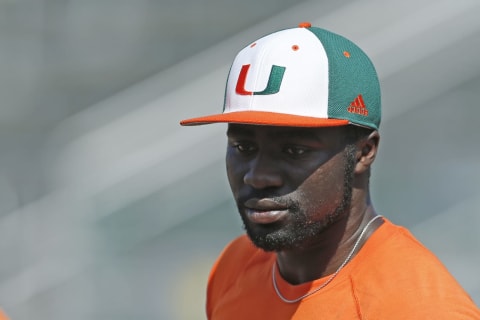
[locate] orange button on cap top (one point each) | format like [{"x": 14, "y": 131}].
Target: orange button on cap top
[{"x": 304, "y": 25}]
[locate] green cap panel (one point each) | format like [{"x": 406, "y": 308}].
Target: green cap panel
[{"x": 351, "y": 73}]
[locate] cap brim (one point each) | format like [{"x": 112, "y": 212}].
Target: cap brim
[{"x": 266, "y": 119}]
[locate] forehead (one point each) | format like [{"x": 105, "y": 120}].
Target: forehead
[{"x": 275, "y": 132}]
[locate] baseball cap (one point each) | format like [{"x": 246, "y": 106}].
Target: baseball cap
[{"x": 302, "y": 77}]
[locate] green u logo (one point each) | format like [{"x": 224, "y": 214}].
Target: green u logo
[{"x": 273, "y": 85}]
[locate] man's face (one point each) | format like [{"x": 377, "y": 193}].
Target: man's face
[{"x": 289, "y": 183}]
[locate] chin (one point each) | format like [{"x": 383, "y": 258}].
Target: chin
[
  {"x": 279, "y": 237},
  {"x": 272, "y": 239}
]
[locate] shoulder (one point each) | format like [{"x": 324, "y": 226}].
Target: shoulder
[
  {"x": 399, "y": 253},
  {"x": 238, "y": 261},
  {"x": 237, "y": 255},
  {"x": 398, "y": 274},
  {"x": 3, "y": 316},
  {"x": 238, "y": 249},
  {"x": 396, "y": 248}
]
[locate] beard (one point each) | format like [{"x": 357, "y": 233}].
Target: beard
[{"x": 300, "y": 230}]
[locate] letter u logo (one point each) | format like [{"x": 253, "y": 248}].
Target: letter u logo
[{"x": 273, "y": 85}]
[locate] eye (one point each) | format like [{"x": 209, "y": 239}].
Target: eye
[
  {"x": 295, "y": 150},
  {"x": 244, "y": 147}
]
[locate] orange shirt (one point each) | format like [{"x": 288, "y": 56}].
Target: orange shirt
[
  {"x": 392, "y": 277},
  {"x": 3, "y": 316}
]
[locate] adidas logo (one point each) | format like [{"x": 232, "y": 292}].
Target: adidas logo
[{"x": 357, "y": 106}]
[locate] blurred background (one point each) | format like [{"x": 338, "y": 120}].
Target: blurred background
[{"x": 110, "y": 210}]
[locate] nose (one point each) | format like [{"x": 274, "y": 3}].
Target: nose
[{"x": 262, "y": 173}]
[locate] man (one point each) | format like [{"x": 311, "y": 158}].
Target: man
[{"x": 303, "y": 111}]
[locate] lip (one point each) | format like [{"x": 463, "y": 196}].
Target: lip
[{"x": 264, "y": 211}]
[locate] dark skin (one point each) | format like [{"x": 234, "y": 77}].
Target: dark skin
[{"x": 302, "y": 193}]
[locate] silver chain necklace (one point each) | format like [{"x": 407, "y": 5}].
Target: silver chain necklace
[{"x": 323, "y": 285}]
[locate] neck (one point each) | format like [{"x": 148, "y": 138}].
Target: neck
[{"x": 330, "y": 252}]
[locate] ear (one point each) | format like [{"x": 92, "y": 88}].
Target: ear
[{"x": 367, "y": 151}]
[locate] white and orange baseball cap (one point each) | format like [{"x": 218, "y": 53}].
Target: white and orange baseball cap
[{"x": 302, "y": 77}]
